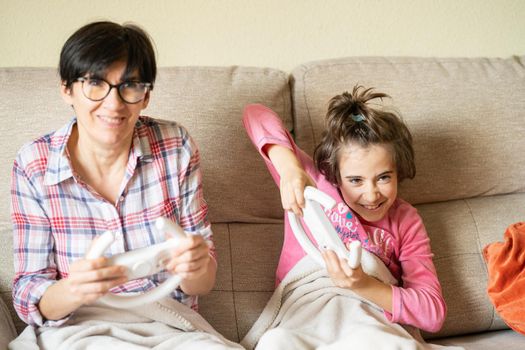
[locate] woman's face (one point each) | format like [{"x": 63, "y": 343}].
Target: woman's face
[
  {"x": 368, "y": 180},
  {"x": 108, "y": 123}
]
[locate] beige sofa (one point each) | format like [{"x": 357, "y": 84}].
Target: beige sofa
[{"x": 467, "y": 116}]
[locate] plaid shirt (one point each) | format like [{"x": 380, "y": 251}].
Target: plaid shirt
[{"x": 56, "y": 216}]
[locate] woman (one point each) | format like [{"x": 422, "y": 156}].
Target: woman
[{"x": 107, "y": 169}]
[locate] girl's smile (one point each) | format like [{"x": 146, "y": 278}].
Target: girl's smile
[{"x": 368, "y": 180}]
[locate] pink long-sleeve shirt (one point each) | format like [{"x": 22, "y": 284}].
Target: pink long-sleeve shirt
[{"x": 399, "y": 239}]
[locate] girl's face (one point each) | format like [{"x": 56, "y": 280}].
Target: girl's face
[
  {"x": 368, "y": 180},
  {"x": 108, "y": 123}
]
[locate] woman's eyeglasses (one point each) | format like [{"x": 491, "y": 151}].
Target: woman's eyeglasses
[{"x": 97, "y": 89}]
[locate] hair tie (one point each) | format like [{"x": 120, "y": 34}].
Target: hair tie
[{"x": 358, "y": 117}]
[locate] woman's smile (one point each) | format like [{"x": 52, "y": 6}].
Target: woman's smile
[{"x": 111, "y": 122}]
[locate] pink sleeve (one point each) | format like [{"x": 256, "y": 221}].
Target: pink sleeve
[
  {"x": 419, "y": 301},
  {"x": 264, "y": 127}
]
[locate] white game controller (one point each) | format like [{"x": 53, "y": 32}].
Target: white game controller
[
  {"x": 140, "y": 263},
  {"x": 325, "y": 235}
]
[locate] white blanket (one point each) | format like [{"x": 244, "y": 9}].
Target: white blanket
[
  {"x": 307, "y": 311},
  {"x": 166, "y": 324}
]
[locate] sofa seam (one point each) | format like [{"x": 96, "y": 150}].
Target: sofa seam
[
  {"x": 233, "y": 291},
  {"x": 390, "y": 60},
  {"x": 286, "y": 101},
  {"x": 481, "y": 252},
  {"x": 307, "y": 107},
  {"x": 453, "y": 255}
]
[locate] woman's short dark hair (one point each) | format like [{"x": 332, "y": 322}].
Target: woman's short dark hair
[
  {"x": 96, "y": 46},
  {"x": 351, "y": 120}
]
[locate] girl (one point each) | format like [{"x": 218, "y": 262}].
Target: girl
[{"x": 362, "y": 156}]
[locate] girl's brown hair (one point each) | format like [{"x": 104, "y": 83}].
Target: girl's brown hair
[{"x": 351, "y": 120}]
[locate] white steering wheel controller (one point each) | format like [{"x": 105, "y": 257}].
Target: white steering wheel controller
[
  {"x": 325, "y": 236},
  {"x": 141, "y": 263}
]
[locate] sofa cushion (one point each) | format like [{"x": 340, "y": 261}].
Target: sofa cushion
[
  {"x": 247, "y": 256},
  {"x": 458, "y": 231},
  {"x": 7, "y": 329},
  {"x": 466, "y": 115},
  {"x": 208, "y": 101},
  {"x": 508, "y": 340}
]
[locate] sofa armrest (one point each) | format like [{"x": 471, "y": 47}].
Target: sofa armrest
[{"x": 7, "y": 328}]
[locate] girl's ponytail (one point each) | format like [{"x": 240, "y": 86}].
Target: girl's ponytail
[
  {"x": 350, "y": 111},
  {"x": 351, "y": 119}
]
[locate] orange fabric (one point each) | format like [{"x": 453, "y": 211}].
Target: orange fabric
[{"x": 506, "y": 269}]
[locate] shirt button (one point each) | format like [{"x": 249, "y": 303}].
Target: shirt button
[{"x": 121, "y": 198}]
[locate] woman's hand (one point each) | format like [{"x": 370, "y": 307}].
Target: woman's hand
[
  {"x": 190, "y": 258},
  {"x": 89, "y": 279},
  {"x": 358, "y": 281}
]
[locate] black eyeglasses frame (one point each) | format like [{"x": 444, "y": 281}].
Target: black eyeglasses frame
[{"x": 116, "y": 86}]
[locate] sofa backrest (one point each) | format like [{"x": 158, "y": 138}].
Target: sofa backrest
[
  {"x": 208, "y": 101},
  {"x": 466, "y": 116}
]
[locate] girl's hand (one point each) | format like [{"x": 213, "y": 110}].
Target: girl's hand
[
  {"x": 292, "y": 184},
  {"x": 89, "y": 279},
  {"x": 342, "y": 274},
  {"x": 357, "y": 280},
  {"x": 190, "y": 259},
  {"x": 293, "y": 177}
]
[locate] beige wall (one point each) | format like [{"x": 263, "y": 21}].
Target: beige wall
[{"x": 273, "y": 33}]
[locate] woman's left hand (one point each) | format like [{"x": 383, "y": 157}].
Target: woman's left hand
[{"x": 190, "y": 259}]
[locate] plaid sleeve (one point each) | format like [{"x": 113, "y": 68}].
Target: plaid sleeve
[
  {"x": 193, "y": 207},
  {"x": 34, "y": 265}
]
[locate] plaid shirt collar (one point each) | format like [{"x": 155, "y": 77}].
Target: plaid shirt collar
[{"x": 59, "y": 167}]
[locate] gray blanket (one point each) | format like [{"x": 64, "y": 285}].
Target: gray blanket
[
  {"x": 307, "y": 311},
  {"x": 166, "y": 324}
]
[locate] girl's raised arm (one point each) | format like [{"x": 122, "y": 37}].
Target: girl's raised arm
[{"x": 276, "y": 146}]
